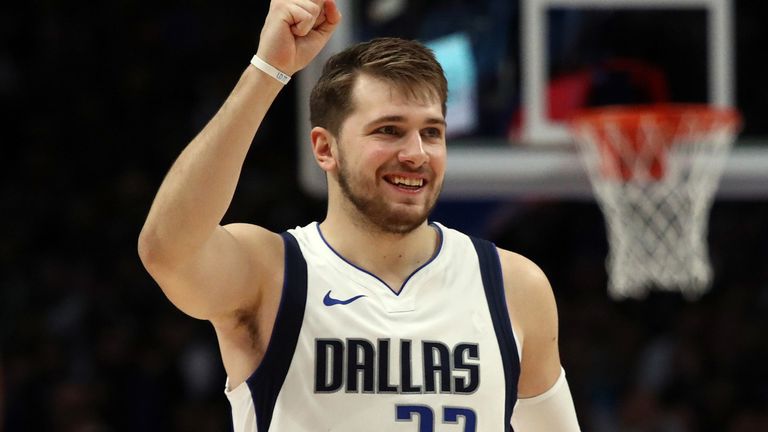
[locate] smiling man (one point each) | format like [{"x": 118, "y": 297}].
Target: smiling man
[{"x": 374, "y": 319}]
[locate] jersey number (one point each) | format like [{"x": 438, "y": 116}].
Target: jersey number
[{"x": 426, "y": 417}]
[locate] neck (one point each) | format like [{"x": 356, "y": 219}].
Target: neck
[{"x": 391, "y": 257}]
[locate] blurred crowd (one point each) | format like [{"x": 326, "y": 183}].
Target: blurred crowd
[
  {"x": 96, "y": 102},
  {"x": 662, "y": 364}
]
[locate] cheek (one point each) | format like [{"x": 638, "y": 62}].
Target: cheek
[
  {"x": 364, "y": 166},
  {"x": 376, "y": 157},
  {"x": 438, "y": 158}
]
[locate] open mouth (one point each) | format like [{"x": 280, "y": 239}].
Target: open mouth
[{"x": 408, "y": 183}]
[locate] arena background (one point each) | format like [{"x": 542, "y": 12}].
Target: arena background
[{"x": 97, "y": 101}]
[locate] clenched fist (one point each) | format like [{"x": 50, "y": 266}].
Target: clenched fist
[{"x": 295, "y": 31}]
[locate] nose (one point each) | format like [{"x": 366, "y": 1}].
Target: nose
[{"x": 412, "y": 153}]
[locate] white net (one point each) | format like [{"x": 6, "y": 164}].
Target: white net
[{"x": 655, "y": 173}]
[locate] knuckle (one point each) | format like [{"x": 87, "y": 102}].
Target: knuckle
[
  {"x": 305, "y": 15},
  {"x": 314, "y": 8}
]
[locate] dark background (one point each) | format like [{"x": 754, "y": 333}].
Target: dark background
[{"x": 96, "y": 102}]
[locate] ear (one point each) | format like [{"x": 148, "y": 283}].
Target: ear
[{"x": 324, "y": 148}]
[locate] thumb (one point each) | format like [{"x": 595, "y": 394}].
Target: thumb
[
  {"x": 324, "y": 26},
  {"x": 305, "y": 15},
  {"x": 332, "y": 17}
]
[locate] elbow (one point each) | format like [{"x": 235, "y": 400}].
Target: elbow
[
  {"x": 160, "y": 256},
  {"x": 155, "y": 258},
  {"x": 149, "y": 250}
]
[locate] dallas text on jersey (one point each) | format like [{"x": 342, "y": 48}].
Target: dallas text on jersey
[{"x": 359, "y": 365}]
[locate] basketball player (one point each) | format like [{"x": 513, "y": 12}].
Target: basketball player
[{"x": 374, "y": 319}]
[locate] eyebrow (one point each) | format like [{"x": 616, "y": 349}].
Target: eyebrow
[{"x": 400, "y": 119}]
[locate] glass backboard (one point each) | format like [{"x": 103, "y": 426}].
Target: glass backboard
[{"x": 518, "y": 70}]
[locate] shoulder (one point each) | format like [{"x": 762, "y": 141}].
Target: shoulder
[
  {"x": 522, "y": 277},
  {"x": 255, "y": 238},
  {"x": 255, "y": 254},
  {"x": 264, "y": 251}
]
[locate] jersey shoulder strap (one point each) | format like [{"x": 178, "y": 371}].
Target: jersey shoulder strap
[{"x": 493, "y": 282}]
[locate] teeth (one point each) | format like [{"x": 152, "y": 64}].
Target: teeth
[{"x": 408, "y": 181}]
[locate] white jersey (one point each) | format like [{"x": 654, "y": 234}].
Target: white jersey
[{"x": 348, "y": 353}]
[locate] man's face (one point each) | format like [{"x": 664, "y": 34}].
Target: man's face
[{"x": 391, "y": 156}]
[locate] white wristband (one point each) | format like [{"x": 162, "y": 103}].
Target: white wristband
[{"x": 270, "y": 70}]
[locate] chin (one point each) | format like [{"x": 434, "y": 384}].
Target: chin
[
  {"x": 403, "y": 222},
  {"x": 385, "y": 214},
  {"x": 400, "y": 229}
]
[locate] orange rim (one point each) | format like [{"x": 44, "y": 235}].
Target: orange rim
[{"x": 620, "y": 160}]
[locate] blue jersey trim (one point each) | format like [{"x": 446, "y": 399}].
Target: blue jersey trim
[
  {"x": 493, "y": 282},
  {"x": 402, "y": 287},
  {"x": 268, "y": 379}
]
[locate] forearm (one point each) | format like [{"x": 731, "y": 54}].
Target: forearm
[{"x": 199, "y": 187}]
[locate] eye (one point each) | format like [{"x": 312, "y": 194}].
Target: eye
[
  {"x": 432, "y": 133},
  {"x": 387, "y": 130}
]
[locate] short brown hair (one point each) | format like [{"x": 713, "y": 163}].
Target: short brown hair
[{"x": 407, "y": 64}]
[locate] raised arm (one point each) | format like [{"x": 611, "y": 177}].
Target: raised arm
[
  {"x": 205, "y": 269},
  {"x": 544, "y": 399}
]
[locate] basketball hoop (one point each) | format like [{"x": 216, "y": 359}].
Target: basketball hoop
[{"x": 655, "y": 170}]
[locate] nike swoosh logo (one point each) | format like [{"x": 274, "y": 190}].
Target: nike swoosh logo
[{"x": 330, "y": 301}]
